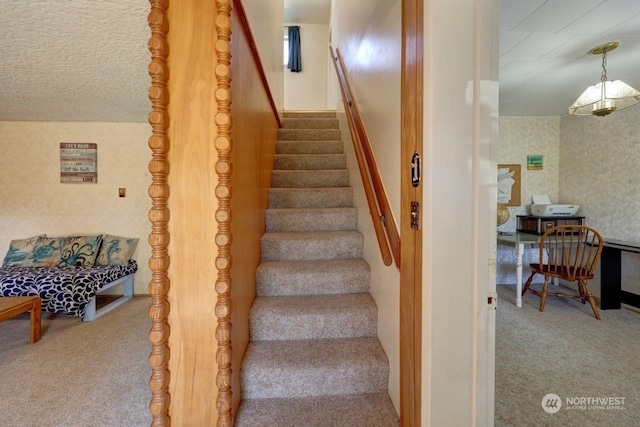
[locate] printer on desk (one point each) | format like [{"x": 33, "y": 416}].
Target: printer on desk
[
  {"x": 542, "y": 206},
  {"x": 546, "y": 215}
]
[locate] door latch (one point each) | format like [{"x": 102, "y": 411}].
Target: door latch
[
  {"x": 416, "y": 169},
  {"x": 492, "y": 300},
  {"x": 415, "y": 215}
]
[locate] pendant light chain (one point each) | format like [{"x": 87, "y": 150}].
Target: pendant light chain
[{"x": 604, "y": 67}]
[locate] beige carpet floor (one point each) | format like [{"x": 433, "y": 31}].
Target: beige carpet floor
[
  {"x": 96, "y": 373},
  {"x": 565, "y": 351},
  {"x": 80, "y": 373}
]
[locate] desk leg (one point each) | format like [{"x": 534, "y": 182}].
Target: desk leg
[{"x": 519, "y": 252}]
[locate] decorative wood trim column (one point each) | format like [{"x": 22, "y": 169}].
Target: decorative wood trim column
[
  {"x": 159, "y": 215},
  {"x": 223, "y": 214}
]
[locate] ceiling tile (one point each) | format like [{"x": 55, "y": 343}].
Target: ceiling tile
[
  {"x": 510, "y": 39},
  {"x": 604, "y": 17},
  {"x": 512, "y": 12},
  {"x": 555, "y": 15},
  {"x": 538, "y": 44},
  {"x": 630, "y": 27}
]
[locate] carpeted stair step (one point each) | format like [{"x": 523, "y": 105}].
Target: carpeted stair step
[
  {"x": 299, "y": 368},
  {"x": 294, "y": 198},
  {"x": 340, "y": 276},
  {"x": 309, "y": 114},
  {"x": 309, "y": 178},
  {"x": 312, "y": 246},
  {"x": 309, "y": 161},
  {"x": 318, "y": 219},
  {"x": 309, "y": 123},
  {"x": 313, "y": 317},
  {"x": 309, "y": 134},
  {"x": 309, "y": 147},
  {"x": 353, "y": 410}
]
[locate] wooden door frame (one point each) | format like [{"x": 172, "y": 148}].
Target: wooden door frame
[{"x": 411, "y": 240}]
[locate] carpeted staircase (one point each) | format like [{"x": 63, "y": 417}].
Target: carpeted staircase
[{"x": 314, "y": 358}]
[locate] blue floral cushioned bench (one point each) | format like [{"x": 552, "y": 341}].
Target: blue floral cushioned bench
[{"x": 67, "y": 273}]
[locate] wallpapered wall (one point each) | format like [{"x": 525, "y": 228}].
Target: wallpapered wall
[
  {"x": 600, "y": 158},
  {"x": 590, "y": 161},
  {"x": 33, "y": 201},
  {"x": 519, "y": 137}
]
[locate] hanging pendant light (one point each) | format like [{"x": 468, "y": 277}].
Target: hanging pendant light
[{"x": 607, "y": 96}]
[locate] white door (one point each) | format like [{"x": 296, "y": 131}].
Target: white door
[{"x": 460, "y": 135}]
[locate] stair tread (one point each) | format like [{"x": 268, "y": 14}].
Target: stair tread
[
  {"x": 309, "y": 235},
  {"x": 310, "y": 189},
  {"x": 310, "y": 123},
  {"x": 309, "y": 147},
  {"x": 309, "y": 134},
  {"x": 303, "y": 304},
  {"x": 309, "y": 113},
  {"x": 309, "y": 162},
  {"x": 310, "y": 141},
  {"x": 310, "y": 172},
  {"x": 297, "y": 368},
  {"x": 309, "y": 155},
  {"x": 289, "y": 355},
  {"x": 306, "y": 197},
  {"x": 315, "y": 210},
  {"x": 312, "y": 277},
  {"x": 313, "y": 317},
  {"x": 322, "y": 266},
  {"x": 372, "y": 410},
  {"x": 311, "y": 245},
  {"x": 310, "y": 178},
  {"x": 311, "y": 219}
]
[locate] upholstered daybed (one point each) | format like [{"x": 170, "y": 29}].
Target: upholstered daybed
[{"x": 68, "y": 273}]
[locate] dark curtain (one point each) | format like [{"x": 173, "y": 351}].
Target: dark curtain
[{"x": 295, "y": 59}]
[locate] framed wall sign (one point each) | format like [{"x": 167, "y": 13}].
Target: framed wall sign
[{"x": 78, "y": 162}]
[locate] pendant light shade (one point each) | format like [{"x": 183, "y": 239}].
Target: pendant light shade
[{"x": 607, "y": 96}]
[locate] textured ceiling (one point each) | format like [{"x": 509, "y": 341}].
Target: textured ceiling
[
  {"x": 86, "y": 60},
  {"x": 80, "y": 60}
]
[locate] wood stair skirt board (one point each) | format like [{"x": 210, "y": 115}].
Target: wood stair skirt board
[{"x": 313, "y": 358}]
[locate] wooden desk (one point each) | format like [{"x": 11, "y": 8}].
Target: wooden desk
[
  {"x": 611, "y": 293},
  {"x": 13, "y": 306}
]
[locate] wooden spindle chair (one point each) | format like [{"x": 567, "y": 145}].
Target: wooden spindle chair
[{"x": 571, "y": 253}]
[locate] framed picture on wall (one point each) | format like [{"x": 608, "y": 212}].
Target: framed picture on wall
[
  {"x": 534, "y": 162},
  {"x": 509, "y": 185},
  {"x": 78, "y": 163}
]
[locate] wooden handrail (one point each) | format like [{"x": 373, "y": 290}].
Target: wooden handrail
[{"x": 377, "y": 200}]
